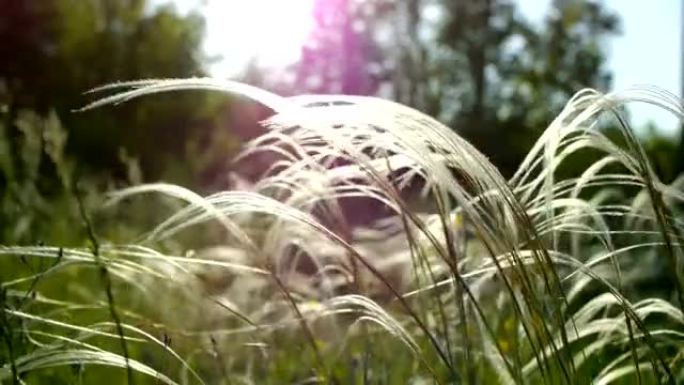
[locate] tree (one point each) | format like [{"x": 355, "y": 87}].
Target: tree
[
  {"x": 341, "y": 55},
  {"x": 57, "y": 49},
  {"x": 477, "y": 65}
]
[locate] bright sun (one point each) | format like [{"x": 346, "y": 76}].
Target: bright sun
[{"x": 272, "y": 31}]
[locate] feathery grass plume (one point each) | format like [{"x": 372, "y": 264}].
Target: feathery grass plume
[{"x": 464, "y": 277}]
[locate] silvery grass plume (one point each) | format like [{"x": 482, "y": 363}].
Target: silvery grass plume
[{"x": 522, "y": 281}]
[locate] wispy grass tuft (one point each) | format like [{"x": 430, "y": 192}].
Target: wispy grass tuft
[{"x": 465, "y": 277}]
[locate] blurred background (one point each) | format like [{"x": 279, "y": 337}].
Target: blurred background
[{"x": 497, "y": 71}]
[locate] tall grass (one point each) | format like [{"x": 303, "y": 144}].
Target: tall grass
[{"x": 466, "y": 278}]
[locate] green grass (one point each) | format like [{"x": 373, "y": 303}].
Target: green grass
[{"x": 549, "y": 277}]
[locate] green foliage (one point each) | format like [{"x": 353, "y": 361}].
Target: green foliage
[
  {"x": 479, "y": 66},
  {"x": 57, "y": 49},
  {"x": 536, "y": 279},
  {"x": 568, "y": 272},
  {"x": 35, "y": 207}
]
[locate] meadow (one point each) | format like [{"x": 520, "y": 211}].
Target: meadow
[{"x": 556, "y": 275}]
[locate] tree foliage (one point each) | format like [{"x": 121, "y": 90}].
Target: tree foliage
[
  {"x": 480, "y": 66},
  {"x": 55, "y": 50}
]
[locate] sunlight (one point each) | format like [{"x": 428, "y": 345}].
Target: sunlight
[{"x": 270, "y": 31}]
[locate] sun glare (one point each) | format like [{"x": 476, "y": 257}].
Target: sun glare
[{"x": 270, "y": 31}]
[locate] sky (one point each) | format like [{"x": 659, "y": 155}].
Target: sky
[{"x": 648, "y": 51}]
